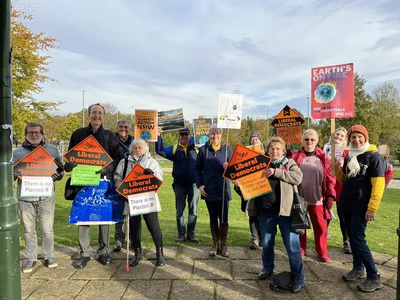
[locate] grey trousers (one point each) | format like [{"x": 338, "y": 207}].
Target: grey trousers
[
  {"x": 84, "y": 239},
  {"x": 31, "y": 211}
]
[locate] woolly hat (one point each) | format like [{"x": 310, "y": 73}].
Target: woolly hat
[
  {"x": 184, "y": 130},
  {"x": 358, "y": 128},
  {"x": 255, "y": 134}
]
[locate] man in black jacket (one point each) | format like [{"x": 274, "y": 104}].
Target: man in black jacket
[{"x": 108, "y": 140}]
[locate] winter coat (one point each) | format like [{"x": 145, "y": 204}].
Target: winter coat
[
  {"x": 124, "y": 145},
  {"x": 20, "y": 152},
  {"x": 363, "y": 191},
  {"x": 209, "y": 170},
  {"x": 184, "y": 163},
  {"x": 289, "y": 174}
]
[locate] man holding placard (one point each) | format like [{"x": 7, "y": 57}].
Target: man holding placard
[
  {"x": 109, "y": 142},
  {"x": 183, "y": 155},
  {"x": 36, "y": 193}
]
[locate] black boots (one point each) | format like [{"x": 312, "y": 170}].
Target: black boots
[
  {"x": 160, "y": 256},
  {"x": 137, "y": 258},
  {"x": 215, "y": 237}
]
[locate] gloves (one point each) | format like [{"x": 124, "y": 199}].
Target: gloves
[
  {"x": 16, "y": 173},
  {"x": 68, "y": 166},
  {"x": 57, "y": 176},
  {"x": 328, "y": 203},
  {"x": 103, "y": 172},
  {"x": 148, "y": 171}
]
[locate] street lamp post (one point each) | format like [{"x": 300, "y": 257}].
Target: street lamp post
[{"x": 10, "y": 283}]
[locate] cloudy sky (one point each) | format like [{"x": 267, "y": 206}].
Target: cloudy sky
[{"x": 181, "y": 54}]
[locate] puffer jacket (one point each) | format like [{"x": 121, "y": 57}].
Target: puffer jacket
[{"x": 146, "y": 161}]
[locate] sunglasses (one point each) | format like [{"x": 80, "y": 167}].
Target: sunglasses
[
  {"x": 184, "y": 134},
  {"x": 307, "y": 140}
]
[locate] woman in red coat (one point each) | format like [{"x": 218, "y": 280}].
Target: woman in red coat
[{"x": 318, "y": 189}]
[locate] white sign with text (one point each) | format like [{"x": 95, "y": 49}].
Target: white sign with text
[
  {"x": 145, "y": 203},
  {"x": 37, "y": 186}
]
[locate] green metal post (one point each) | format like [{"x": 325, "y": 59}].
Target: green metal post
[
  {"x": 10, "y": 282},
  {"x": 398, "y": 263}
]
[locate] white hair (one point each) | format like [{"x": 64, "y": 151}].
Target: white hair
[{"x": 137, "y": 142}]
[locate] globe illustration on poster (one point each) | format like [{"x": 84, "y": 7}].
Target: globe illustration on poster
[
  {"x": 145, "y": 135},
  {"x": 203, "y": 139}
]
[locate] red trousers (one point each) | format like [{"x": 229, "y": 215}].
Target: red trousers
[{"x": 320, "y": 226}]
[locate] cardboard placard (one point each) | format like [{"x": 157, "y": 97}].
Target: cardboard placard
[
  {"x": 37, "y": 186},
  {"x": 37, "y": 163},
  {"x": 230, "y": 110},
  {"x": 84, "y": 175},
  {"x": 332, "y": 91},
  {"x": 88, "y": 152},
  {"x": 136, "y": 182},
  {"x": 287, "y": 117},
  {"x": 171, "y": 119},
  {"x": 247, "y": 166},
  {"x": 291, "y": 135},
  {"x": 201, "y": 130},
  {"x": 141, "y": 204},
  {"x": 146, "y": 124},
  {"x": 338, "y": 151}
]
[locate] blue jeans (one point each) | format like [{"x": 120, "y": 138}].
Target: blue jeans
[
  {"x": 184, "y": 192},
  {"x": 30, "y": 212},
  {"x": 362, "y": 257},
  {"x": 268, "y": 223}
]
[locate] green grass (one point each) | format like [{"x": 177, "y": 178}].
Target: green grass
[
  {"x": 381, "y": 234},
  {"x": 396, "y": 173}
]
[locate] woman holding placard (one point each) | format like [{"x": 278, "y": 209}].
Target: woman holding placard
[
  {"x": 340, "y": 153},
  {"x": 139, "y": 154}
]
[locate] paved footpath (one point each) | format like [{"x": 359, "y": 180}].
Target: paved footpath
[{"x": 191, "y": 274}]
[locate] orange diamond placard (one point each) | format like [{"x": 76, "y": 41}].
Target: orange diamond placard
[{"x": 88, "y": 152}]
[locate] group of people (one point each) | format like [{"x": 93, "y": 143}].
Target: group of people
[{"x": 357, "y": 188}]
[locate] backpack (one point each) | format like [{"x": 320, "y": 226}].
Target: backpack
[{"x": 282, "y": 281}]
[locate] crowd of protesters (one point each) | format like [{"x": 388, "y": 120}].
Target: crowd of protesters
[{"x": 357, "y": 187}]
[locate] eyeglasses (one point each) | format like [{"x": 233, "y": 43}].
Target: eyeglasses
[
  {"x": 184, "y": 134},
  {"x": 34, "y": 133},
  {"x": 307, "y": 140}
]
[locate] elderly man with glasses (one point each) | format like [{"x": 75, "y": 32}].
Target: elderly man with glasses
[
  {"x": 41, "y": 208},
  {"x": 183, "y": 155}
]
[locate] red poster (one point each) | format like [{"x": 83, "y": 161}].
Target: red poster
[{"x": 332, "y": 92}]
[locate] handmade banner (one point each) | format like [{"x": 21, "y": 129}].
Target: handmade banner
[
  {"x": 338, "y": 151},
  {"x": 37, "y": 163},
  {"x": 171, "y": 119},
  {"x": 201, "y": 129},
  {"x": 37, "y": 186},
  {"x": 97, "y": 205},
  {"x": 332, "y": 92},
  {"x": 291, "y": 135},
  {"x": 230, "y": 110},
  {"x": 136, "y": 182},
  {"x": 85, "y": 175},
  {"x": 146, "y": 124},
  {"x": 88, "y": 152},
  {"x": 246, "y": 166},
  {"x": 141, "y": 204}
]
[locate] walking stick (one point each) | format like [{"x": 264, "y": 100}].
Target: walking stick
[{"x": 127, "y": 241}]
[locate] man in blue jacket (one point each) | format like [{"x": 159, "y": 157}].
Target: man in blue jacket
[{"x": 183, "y": 155}]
